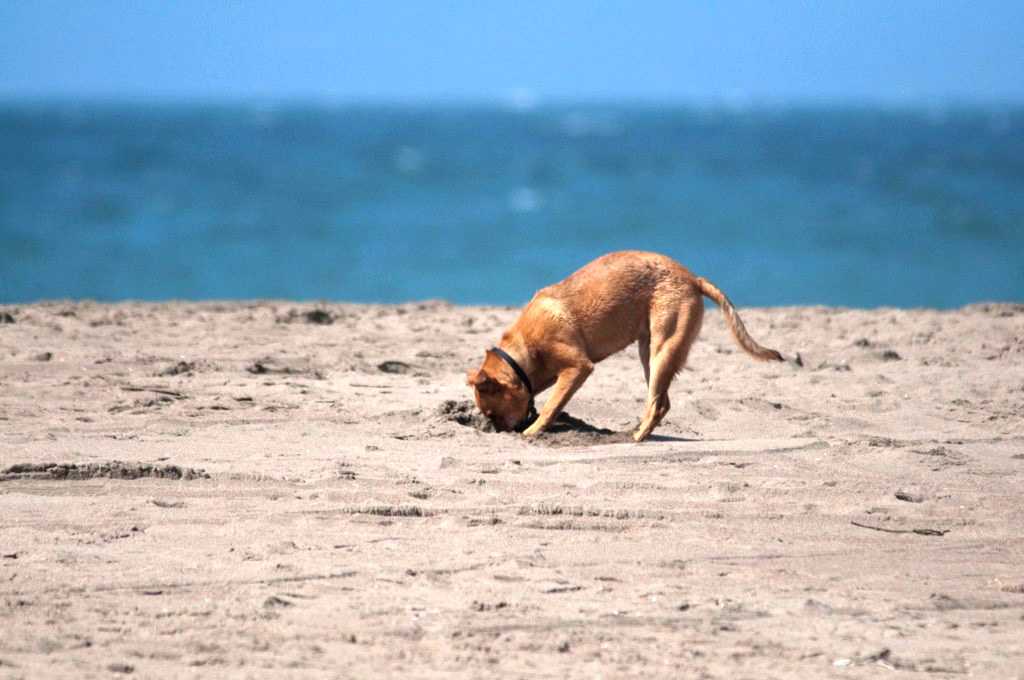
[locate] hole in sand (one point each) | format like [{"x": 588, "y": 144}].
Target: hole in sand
[{"x": 566, "y": 431}]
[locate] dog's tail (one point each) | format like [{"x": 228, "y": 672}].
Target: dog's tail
[{"x": 739, "y": 331}]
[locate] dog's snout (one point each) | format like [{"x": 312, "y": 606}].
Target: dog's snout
[{"x": 496, "y": 421}]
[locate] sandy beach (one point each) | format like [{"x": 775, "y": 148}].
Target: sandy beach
[{"x": 275, "y": 489}]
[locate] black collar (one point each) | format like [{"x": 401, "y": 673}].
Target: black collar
[
  {"x": 520, "y": 373},
  {"x": 531, "y": 414}
]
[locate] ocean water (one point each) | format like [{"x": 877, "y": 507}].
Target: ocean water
[{"x": 854, "y": 206}]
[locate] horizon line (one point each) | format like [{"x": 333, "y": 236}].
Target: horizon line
[{"x": 513, "y": 103}]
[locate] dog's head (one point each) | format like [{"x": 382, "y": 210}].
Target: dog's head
[{"x": 499, "y": 394}]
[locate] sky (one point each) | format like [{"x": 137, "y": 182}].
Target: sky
[{"x": 526, "y": 51}]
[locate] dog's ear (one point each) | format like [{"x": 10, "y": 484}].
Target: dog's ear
[
  {"x": 481, "y": 381},
  {"x": 489, "y": 385}
]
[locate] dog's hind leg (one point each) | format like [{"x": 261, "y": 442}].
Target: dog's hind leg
[
  {"x": 662, "y": 372},
  {"x": 643, "y": 344},
  {"x": 672, "y": 336}
]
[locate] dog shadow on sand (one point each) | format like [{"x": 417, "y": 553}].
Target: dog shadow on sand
[{"x": 567, "y": 430}]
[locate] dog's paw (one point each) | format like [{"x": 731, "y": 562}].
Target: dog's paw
[{"x": 532, "y": 431}]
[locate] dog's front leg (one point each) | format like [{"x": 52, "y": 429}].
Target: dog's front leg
[{"x": 569, "y": 380}]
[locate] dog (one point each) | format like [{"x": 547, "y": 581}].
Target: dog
[{"x": 599, "y": 310}]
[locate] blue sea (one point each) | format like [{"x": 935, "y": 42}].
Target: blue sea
[{"x": 853, "y": 206}]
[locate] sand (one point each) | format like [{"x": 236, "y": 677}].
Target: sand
[{"x": 272, "y": 489}]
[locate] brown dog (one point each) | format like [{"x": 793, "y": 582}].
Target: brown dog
[{"x": 570, "y": 326}]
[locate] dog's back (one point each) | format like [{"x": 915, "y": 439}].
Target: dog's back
[{"x": 609, "y": 301}]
